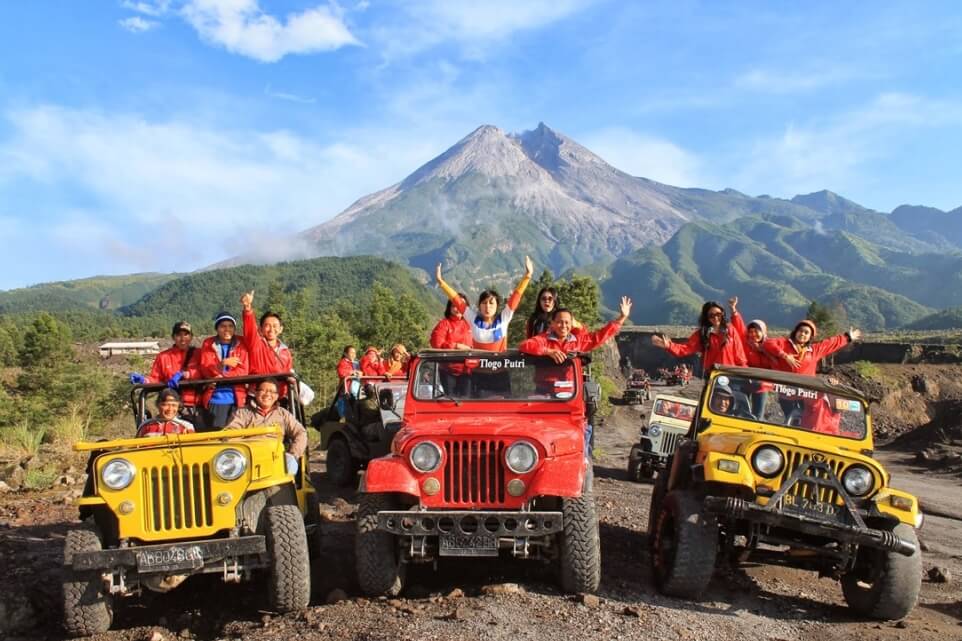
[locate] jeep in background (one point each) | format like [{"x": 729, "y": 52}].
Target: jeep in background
[
  {"x": 159, "y": 509},
  {"x": 490, "y": 459},
  {"x": 365, "y": 432},
  {"x": 637, "y": 388},
  {"x": 667, "y": 424},
  {"x": 795, "y": 485}
]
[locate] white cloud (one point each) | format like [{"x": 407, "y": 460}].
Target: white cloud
[
  {"x": 242, "y": 27},
  {"x": 179, "y": 195},
  {"x": 474, "y": 25},
  {"x": 640, "y": 154},
  {"x": 290, "y": 97},
  {"x": 834, "y": 152},
  {"x": 136, "y": 24},
  {"x": 790, "y": 82},
  {"x": 155, "y": 8}
]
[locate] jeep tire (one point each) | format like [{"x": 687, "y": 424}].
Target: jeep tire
[
  {"x": 380, "y": 571},
  {"x": 885, "y": 584},
  {"x": 658, "y": 492},
  {"x": 580, "y": 553},
  {"x": 685, "y": 546},
  {"x": 289, "y": 581},
  {"x": 341, "y": 468},
  {"x": 87, "y": 610}
]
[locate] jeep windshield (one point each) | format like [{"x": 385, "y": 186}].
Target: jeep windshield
[
  {"x": 674, "y": 409},
  {"x": 498, "y": 377},
  {"x": 788, "y": 405}
]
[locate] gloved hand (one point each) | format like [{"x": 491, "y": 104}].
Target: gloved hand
[
  {"x": 290, "y": 463},
  {"x": 137, "y": 379},
  {"x": 174, "y": 381}
]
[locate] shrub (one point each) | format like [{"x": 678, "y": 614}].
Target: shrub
[
  {"x": 867, "y": 369},
  {"x": 23, "y": 438},
  {"x": 40, "y": 479}
]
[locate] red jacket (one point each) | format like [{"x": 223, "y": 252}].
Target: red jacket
[
  {"x": 211, "y": 367},
  {"x": 173, "y": 360},
  {"x": 371, "y": 364},
  {"x": 808, "y": 356},
  {"x": 345, "y": 368},
  {"x": 819, "y": 416},
  {"x": 449, "y": 332},
  {"x": 574, "y": 342},
  {"x": 755, "y": 353},
  {"x": 264, "y": 359},
  {"x": 159, "y": 426},
  {"x": 719, "y": 352}
]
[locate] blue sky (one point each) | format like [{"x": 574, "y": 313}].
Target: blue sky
[{"x": 164, "y": 135}]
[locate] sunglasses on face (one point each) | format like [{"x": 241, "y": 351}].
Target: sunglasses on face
[
  {"x": 547, "y": 298},
  {"x": 716, "y": 315}
]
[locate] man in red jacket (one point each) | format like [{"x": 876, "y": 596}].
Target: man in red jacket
[
  {"x": 175, "y": 364},
  {"x": 797, "y": 353},
  {"x": 223, "y": 356},
  {"x": 268, "y": 355},
  {"x": 559, "y": 340}
]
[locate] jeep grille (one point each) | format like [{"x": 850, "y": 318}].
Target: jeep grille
[
  {"x": 669, "y": 442},
  {"x": 474, "y": 472},
  {"x": 794, "y": 459},
  {"x": 177, "y": 497}
]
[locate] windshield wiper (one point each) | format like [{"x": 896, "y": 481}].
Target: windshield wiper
[{"x": 447, "y": 396}]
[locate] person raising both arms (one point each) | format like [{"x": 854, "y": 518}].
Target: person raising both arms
[
  {"x": 714, "y": 340},
  {"x": 268, "y": 355},
  {"x": 559, "y": 340},
  {"x": 489, "y": 328},
  {"x": 797, "y": 353}
]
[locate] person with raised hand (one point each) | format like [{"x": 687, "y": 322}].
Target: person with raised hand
[
  {"x": 489, "y": 327},
  {"x": 752, "y": 336},
  {"x": 268, "y": 355},
  {"x": 798, "y": 352},
  {"x": 713, "y": 340},
  {"x": 559, "y": 340}
]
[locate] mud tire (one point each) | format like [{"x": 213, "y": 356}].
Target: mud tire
[
  {"x": 658, "y": 492},
  {"x": 893, "y": 589},
  {"x": 685, "y": 546},
  {"x": 86, "y": 609},
  {"x": 341, "y": 467},
  {"x": 289, "y": 581},
  {"x": 380, "y": 571},
  {"x": 580, "y": 553}
]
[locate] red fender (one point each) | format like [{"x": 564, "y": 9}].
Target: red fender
[
  {"x": 390, "y": 474},
  {"x": 559, "y": 476}
]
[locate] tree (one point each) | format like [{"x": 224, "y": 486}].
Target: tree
[
  {"x": 47, "y": 342},
  {"x": 581, "y": 295},
  {"x": 8, "y": 349},
  {"x": 824, "y": 319},
  {"x": 394, "y": 319}
]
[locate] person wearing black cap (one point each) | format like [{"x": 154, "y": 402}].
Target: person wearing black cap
[
  {"x": 222, "y": 355},
  {"x": 167, "y": 421},
  {"x": 175, "y": 364}
]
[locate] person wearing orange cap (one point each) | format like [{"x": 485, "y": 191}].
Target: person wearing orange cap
[
  {"x": 371, "y": 363},
  {"x": 799, "y": 354}
]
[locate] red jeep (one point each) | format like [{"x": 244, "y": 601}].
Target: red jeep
[{"x": 490, "y": 458}]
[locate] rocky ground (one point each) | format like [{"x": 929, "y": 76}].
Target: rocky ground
[{"x": 508, "y": 600}]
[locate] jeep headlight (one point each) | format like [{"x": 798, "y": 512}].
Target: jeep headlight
[
  {"x": 426, "y": 457},
  {"x": 230, "y": 464},
  {"x": 654, "y": 431},
  {"x": 858, "y": 480},
  {"x": 118, "y": 474},
  {"x": 768, "y": 461},
  {"x": 521, "y": 457}
]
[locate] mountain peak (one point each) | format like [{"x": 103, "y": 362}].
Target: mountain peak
[{"x": 828, "y": 202}]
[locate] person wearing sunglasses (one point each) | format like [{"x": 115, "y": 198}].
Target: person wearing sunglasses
[
  {"x": 544, "y": 305},
  {"x": 713, "y": 340}
]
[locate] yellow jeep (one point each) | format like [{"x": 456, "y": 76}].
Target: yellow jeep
[
  {"x": 157, "y": 510},
  {"x": 778, "y": 468}
]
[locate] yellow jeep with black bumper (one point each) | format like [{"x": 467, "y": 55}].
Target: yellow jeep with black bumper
[
  {"x": 794, "y": 485},
  {"x": 157, "y": 510}
]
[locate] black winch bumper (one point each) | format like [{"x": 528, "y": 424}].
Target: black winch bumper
[
  {"x": 470, "y": 523},
  {"x": 170, "y": 557}
]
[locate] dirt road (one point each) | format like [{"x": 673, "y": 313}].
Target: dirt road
[{"x": 505, "y": 600}]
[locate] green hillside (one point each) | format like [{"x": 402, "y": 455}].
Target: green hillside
[
  {"x": 98, "y": 292},
  {"x": 944, "y": 319},
  {"x": 776, "y": 266},
  {"x": 199, "y": 296}
]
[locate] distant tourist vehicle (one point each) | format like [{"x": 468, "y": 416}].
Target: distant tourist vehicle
[{"x": 667, "y": 425}]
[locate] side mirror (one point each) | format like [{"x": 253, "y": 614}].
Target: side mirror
[{"x": 386, "y": 400}]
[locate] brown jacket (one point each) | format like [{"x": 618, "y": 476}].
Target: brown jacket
[{"x": 294, "y": 433}]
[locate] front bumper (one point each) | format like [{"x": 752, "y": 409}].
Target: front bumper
[
  {"x": 183, "y": 557},
  {"x": 470, "y": 523},
  {"x": 646, "y": 457},
  {"x": 743, "y": 509}
]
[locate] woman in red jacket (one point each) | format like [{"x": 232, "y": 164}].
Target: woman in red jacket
[
  {"x": 714, "y": 340},
  {"x": 453, "y": 333},
  {"x": 797, "y": 353},
  {"x": 753, "y": 340}
]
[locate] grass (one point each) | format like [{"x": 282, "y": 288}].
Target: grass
[
  {"x": 40, "y": 479},
  {"x": 72, "y": 428},
  {"x": 868, "y": 369},
  {"x": 608, "y": 388},
  {"x": 22, "y": 438}
]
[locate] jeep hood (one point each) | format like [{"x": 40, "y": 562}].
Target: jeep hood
[
  {"x": 557, "y": 434},
  {"x": 739, "y": 442}
]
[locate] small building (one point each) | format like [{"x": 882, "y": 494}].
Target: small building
[{"x": 142, "y": 347}]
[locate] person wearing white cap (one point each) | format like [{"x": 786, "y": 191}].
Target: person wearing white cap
[{"x": 222, "y": 355}]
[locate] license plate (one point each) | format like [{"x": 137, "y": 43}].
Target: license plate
[
  {"x": 476, "y": 545},
  {"x": 810, "y": 507},
  {"x": 170, "y": 559}
]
